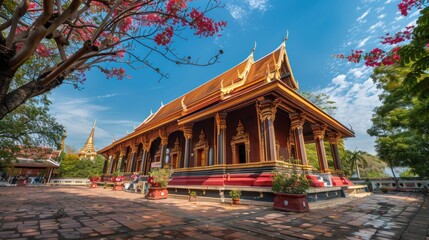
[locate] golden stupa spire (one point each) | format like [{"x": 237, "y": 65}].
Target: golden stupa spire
[{"x": 88, "y": 151}]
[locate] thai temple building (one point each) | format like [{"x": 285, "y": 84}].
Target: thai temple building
[
  {"x": 88, "y": 151},
  {"x": 233, "y": 131}
]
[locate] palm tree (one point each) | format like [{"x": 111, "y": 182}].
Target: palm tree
[{"x": 353, "y": 158}]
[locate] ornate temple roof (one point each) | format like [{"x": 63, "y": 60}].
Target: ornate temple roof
[
  {"x": 88, "y": 150},
  {"x": 272, "y": 72}
]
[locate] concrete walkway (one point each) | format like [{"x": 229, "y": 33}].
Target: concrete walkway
[{"x": 83, "y": 213}]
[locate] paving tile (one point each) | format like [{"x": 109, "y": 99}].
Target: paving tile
[{"x": 103, "y": 214}]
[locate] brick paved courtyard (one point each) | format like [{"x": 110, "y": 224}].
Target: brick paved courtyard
[{"x": 83, "y": 213}]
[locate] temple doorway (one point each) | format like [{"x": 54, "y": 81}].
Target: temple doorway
[{"x": 241, "y": 150}]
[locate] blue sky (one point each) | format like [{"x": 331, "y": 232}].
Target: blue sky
[{"x": 317, "y": 30}]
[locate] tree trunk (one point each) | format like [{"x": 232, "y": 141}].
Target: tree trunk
[
  {"x": 394, "y": 175},
  {"x": 19, "y": 96}
]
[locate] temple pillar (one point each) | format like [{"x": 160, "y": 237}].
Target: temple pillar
[
  {"x": 221, "y": 137},
  {"x": 319, "y": 134},
  {"x": 133, "y": 156},
  {"x": 266, "y": 109},
  {"x": 297, "y": 123},
  {"x": 106, "y": 163},
  {"x": 334, "y": 138},
  {"x": 187, "y": 132},
  {"x": 163, "y": 151},
  {"x": 111, "y": 160},
  {"x": 146, "y": 147}
]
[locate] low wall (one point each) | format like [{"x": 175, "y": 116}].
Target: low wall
[
  {"x": 70, "y": 181},
  {"x": 404, "y": 184}
]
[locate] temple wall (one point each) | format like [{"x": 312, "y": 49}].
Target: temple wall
[
  {"x": 248, "y": 117},
  {"x": 282, "y": 129}
]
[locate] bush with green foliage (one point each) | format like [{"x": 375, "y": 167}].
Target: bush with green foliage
[
  {"x": 284, "y": 182},
  {"x": 71, "y": 166},
  {"x": 235, "y": 194},
  {"x": 161, "y": 176}
]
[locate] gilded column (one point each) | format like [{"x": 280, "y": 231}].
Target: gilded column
[
  {"x": 319, "y": 133},
  {"x": 221, "y": 137},
  {"x": 164, "y": 142},
  {"x": 111, "y": 160},
  {"x": 146, "y": 147},
  {"x": 297, "y": 123},
  {"x": 334, "y": 138},
  {"x": 187, "y": 132},
  {"x": 133, "y": 158},
  {"x": 266, "y": 109}
]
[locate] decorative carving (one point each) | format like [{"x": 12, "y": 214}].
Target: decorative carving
[
  {"x": 297, "y": 120},
  {"x": 334, "y": 137},
  {"x": 267, "y": 109},
  {"x": 318, "y": 131},
  {"x": 164, "y": 137},
  {"x": 201, "y": 150},
  {"x": 176, "y": 154},
  {"x": 240, "y": 138},
  {"x": 242, "y": 76},
  {"x": 184, "y": 108},
  {"x": 187, "y": 131},
  {"x": 270, "y": 75},
  {"x": 220, "y": 121},
  {"x": 146, "y": 144}
]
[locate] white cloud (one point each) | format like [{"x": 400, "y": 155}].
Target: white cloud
[
  {"x": 236, "y": 12},
  {"x": 388, "y": 1},
  {"x": 240, "y": 10},
  {"x": 400, "y": 17},
  {"x": 78, "y": 116},
  {"x": 361, "y": 19},
  {"x": 363, "y": 42},
  {"x": 359, "y": 72},
  {"x": 260, "y": 5},
  {"x": 355, "y": 101},
  {"x": 381, "y": 16},
  {"x": 375, "y": 26}
]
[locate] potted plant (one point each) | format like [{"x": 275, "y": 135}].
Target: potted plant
[
  {"x": 384, "y": 189},
  {"x": 193, "y": 196},
  {"x": 235, "y": 195},
  {"x": 158, "y": 180},
  {"x": 290, "y": 191},
  {"x": 118, "y": 181},
  {"x": 93, "y": 180}
]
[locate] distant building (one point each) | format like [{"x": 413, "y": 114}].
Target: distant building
[
  {"x": 88, "y": 151},
  {"x": 35, "y": 162}
]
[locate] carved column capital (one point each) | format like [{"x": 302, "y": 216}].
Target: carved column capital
[
  {"x": 187, "y": 130},
  {"x": 334, "y": 137},
  {"x": 164, "y": 137},
  {"x": 267, "y": 108},
  {"x": 297, "y": 120},
  {"x": 318, "y": 131},
  {"x": 220, "y": 121}
]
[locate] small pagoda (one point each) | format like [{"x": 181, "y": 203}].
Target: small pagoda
[{"x": 88, "y": 151}]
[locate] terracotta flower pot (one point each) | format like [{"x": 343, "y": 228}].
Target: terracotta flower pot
[
  {"x": 236, "y": 201},
  {"x": 157, "y": 193},
  {"x": 291, "y": 202}
]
